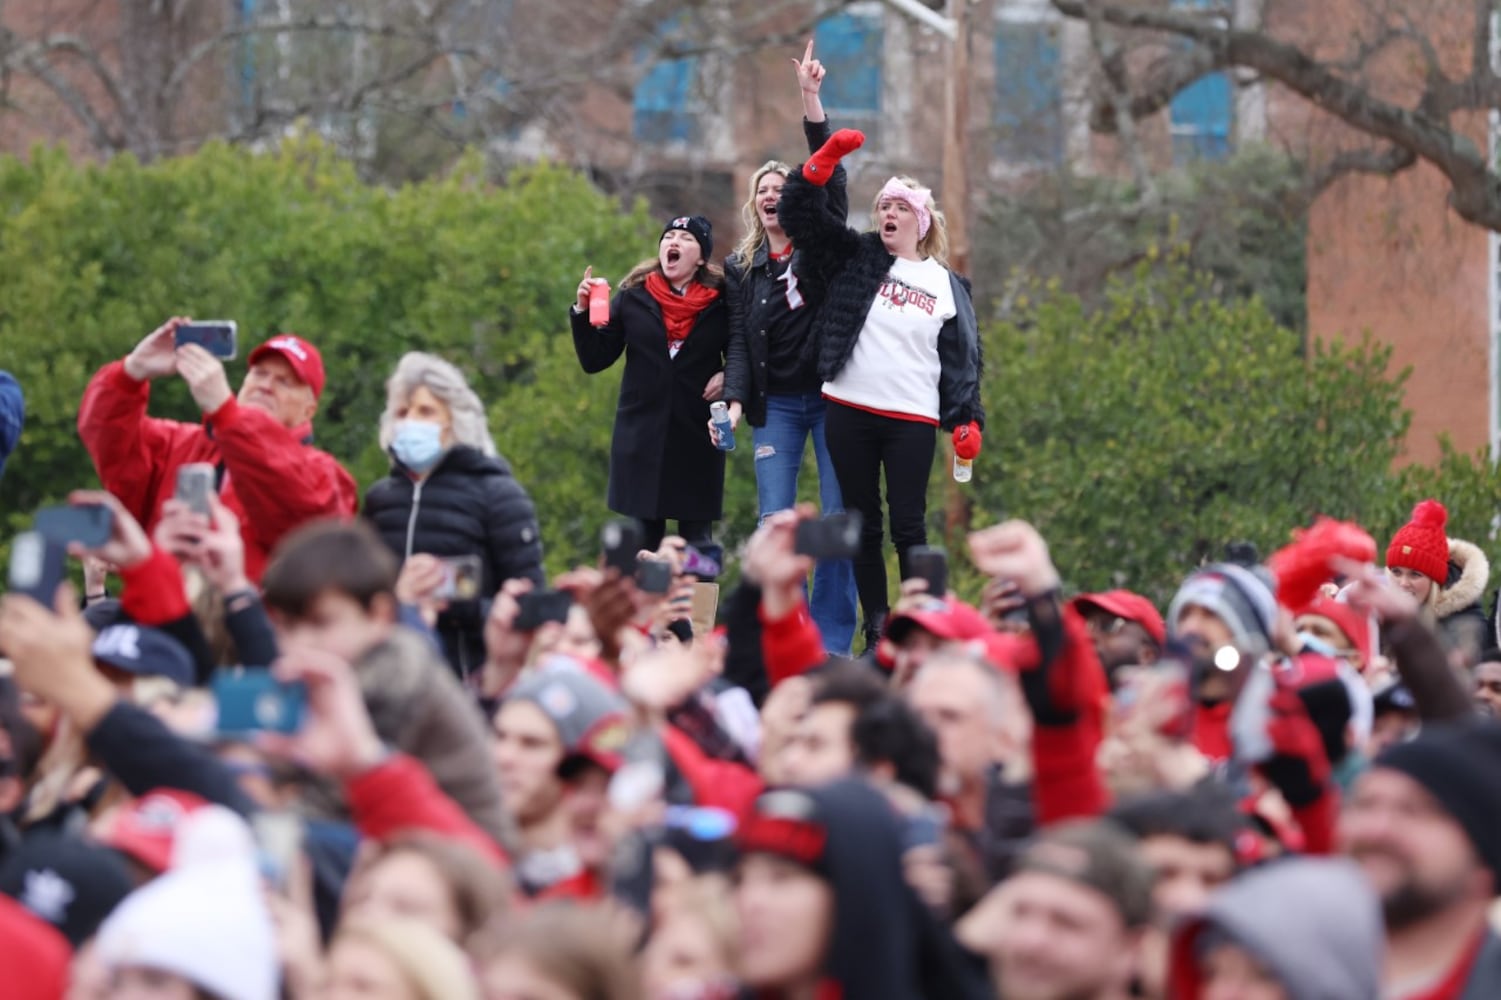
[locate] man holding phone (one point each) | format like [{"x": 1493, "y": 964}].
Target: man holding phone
[{"x": 269, "y": 474}]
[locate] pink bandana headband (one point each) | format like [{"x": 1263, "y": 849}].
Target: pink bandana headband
[{"x": 916, "y": 199}]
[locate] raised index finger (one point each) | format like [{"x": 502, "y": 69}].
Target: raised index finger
[{"x": 808, "y": 52}]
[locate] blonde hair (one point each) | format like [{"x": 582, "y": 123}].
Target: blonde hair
[
  {"x": 750, "y": 218},
  {"x": 581, "y": 948},
  {"x": 433, "y": 966},
  {"x": 418, "y": 369},
  {"x": 479, "y": 891},
  {"x": 936, "y": 243}
]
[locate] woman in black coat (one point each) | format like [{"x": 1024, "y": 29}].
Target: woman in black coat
[
  {"x": 669, "y": 320},
  {"x": 450, "y": 494}
]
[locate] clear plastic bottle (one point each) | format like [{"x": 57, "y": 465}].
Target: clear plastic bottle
[
  {"x": 719, "y": 413},
  {"x": 963, "y": 469}
]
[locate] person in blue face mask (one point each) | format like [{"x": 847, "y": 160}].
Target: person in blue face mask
[{"x": 450, "y": 494}]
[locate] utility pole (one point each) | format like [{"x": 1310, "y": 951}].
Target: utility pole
[
  {"x": 956, "y": 211},
  {"x": 956, "y": 137}
]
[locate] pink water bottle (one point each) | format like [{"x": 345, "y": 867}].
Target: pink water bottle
[{"x": 599, "y": 303}]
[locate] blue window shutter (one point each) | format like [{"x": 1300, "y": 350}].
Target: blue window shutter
[
  {"x": 1201, "y": 113},
  {"x": 662, "y": 110},
  {"x": 1028, "y": 93},
  {"x": 850, "y": 47}
]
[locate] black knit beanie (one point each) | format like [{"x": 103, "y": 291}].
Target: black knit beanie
[
  {"x": 696, "y": 226},
  {"x": 1459, "y": 764}
]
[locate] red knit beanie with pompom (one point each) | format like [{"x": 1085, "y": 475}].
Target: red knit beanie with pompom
[{"x": 1422, "y": 544}]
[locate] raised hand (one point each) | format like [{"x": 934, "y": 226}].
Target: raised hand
[
  {"x": 205, "y": 377},
  {"x": 128, "y": 545},
  {"x": 156, "y": 355},
  {"x": 1015, "y": 551},
  {"x": 810, "y": 72}
]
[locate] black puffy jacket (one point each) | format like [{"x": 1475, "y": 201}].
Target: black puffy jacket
[{"x": 471, "y": 504}]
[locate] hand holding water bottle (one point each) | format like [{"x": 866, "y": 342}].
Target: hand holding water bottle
[{"x": 967, "y": 440}]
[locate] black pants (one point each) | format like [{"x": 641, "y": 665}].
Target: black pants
[
  {"x": 695, "y": 533},
  {"x": 861, "y": 445}
]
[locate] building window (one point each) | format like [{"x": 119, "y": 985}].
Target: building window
[
  {"x": 850, "y": 46},
  {"x": 1200, "y": 115},
  {"x": 1028, "y": 92},
  {"x": 663, "y": 110}
]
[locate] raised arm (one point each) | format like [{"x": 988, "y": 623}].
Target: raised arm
[
  {"x": 597, "y": 347},
  {"x": 128, "y": 447},
  {"x": 816, "y": 128},
  {"x": 818, "y": 232}
]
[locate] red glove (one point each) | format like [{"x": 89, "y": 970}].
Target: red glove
[
  {"x": 1298, "y": 767},
  {"x": 967, "y": 440},
  {"x": 820, "y": 166}
]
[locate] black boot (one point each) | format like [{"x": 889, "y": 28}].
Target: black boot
[{"x": 874, "y": 627}]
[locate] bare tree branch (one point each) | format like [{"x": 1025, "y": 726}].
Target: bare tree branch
[
  {"x": 1386, "y": 162},
  {"x": 1112, "y": 67},
  {"x": 1475, "y": 191}
]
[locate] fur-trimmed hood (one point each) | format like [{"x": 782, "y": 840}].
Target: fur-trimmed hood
[{"x": 1466, "y": 590}]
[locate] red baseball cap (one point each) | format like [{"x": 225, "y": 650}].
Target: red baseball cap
[
  {"x": 953, "y": 620},
  {"x": 302, "y": 356},
  {"x": 1131, "y": 607},
  {"x": 1355, "y": 626},
  {"x": 147, "y": 828}
]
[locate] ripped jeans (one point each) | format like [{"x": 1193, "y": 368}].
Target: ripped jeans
[{"x": 790, "y": 419}]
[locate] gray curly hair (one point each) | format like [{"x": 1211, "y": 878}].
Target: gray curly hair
[{"x": 445, "y": 381}]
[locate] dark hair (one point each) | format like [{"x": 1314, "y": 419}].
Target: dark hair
[
  {"x": 1205, "y": 814},
  {"x": 889, "y": 731},
  {"x": 847, "y": 683},
  {"x": 342, "y": 557},
  {"x": 1490, "y": 655}
]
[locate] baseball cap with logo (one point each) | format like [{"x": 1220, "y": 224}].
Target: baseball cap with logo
[
  {"x": 590, "y": 718},
  {"x": 147, "y": 829},
  {"x": 66, "y": 881},
  {"x": 144, "y": 652},
  {"x": 302, "y": 356}
]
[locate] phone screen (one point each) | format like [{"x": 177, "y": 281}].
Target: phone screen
[
  {"x": 89, "y": 525},
  {"x": 218, "y": 337}
]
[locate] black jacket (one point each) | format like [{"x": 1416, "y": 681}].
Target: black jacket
[
  {"x": 745, "y": 372},
  {"x": 844, "y": 270},
  {"x": 470, "y": 504},
  {"x": 662, "y": 463}
]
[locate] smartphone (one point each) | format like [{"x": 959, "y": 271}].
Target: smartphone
[
  {"x": 654, "y": 576},
  {"x": 217, "y": 336},
  {"x": 278, "y": 837},
  {"x": 37, "y": 565},
  {"x": 463, "y": 578},
  {"x": 195, "y": 484},
  {"x": 834, "y": 536},
  {"x": 930, "y": 563},
  {"x": 254, "y": 701},
  {"x": 621, "y": 541},
  {"x": 540, "y": 607},
  {"x": 90, "y": 525}
]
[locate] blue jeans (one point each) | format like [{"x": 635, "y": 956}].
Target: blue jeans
[{"x": 790, "y": 419}]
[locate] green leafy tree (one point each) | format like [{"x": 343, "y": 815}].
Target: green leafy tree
[{"x": 1144, "y": 434}]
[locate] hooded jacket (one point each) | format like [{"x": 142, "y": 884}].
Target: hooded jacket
[
  {"x": 884, "y": 944},
  {"x": 471, "y": 504},
  {"x": 1457, "y": 605},
  {"x": 1326, "y": 946}
]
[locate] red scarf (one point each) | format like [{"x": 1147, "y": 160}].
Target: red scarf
[{"x": 679, "y": 311}]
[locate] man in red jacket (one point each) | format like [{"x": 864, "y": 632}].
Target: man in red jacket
[{"x": 259, "y": 441}]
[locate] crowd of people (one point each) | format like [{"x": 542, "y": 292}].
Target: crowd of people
[{"x": 291, "y": 743}]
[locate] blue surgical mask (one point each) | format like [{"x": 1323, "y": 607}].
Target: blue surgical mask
[{"x": 418, "y": 444}]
